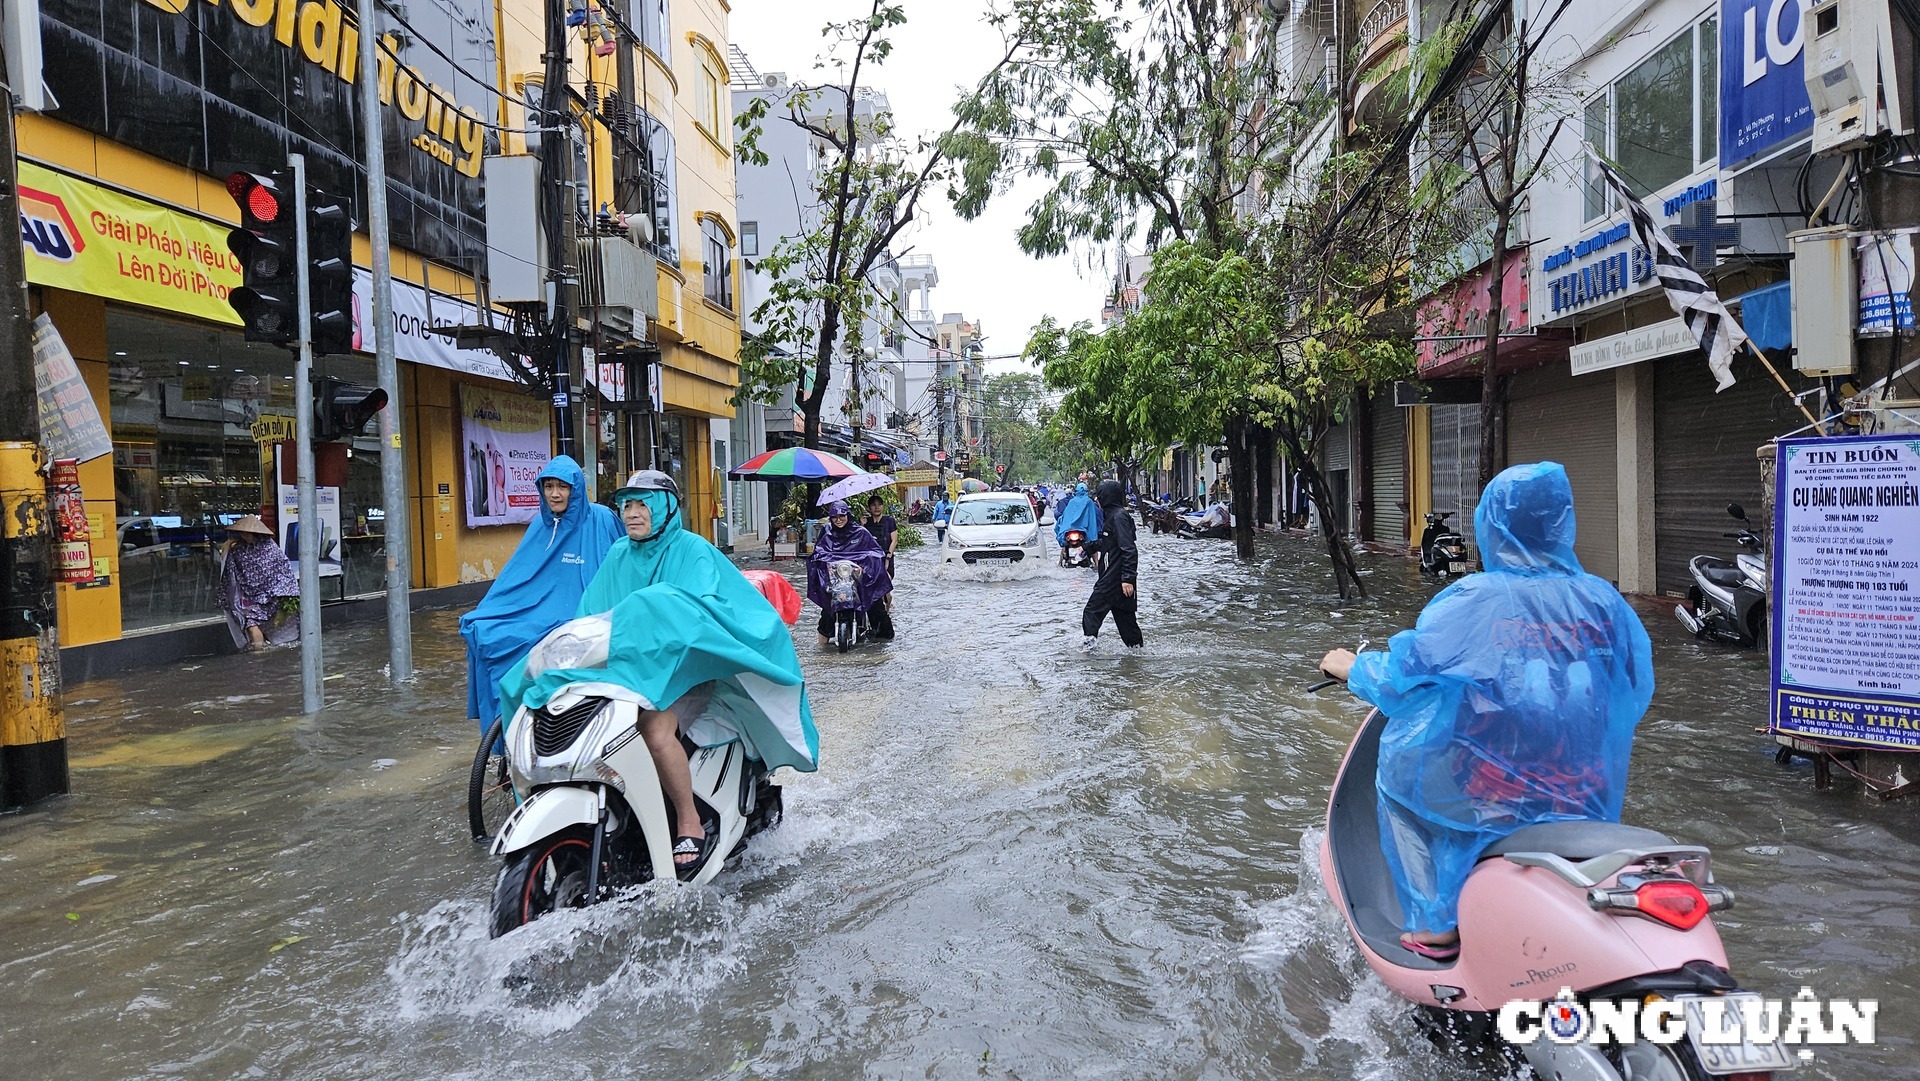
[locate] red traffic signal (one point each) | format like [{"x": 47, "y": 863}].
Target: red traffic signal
[{"x": 258, "y": 196}]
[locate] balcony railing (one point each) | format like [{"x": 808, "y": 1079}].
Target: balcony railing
[{"x": 1382, "y": 19}]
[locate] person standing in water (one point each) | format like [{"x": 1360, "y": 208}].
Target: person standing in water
[{"x": 1119, "y": 559}]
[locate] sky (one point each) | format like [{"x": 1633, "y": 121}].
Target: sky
[{"x": 943, "y": 47}]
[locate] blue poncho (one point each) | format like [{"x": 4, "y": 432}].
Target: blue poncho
[
  {"x": 684, "y": 615},
  {"x": 1512, "y": 701},
  {"x": 537, "y": 590},
  {"x": 1079, "y": 512}
]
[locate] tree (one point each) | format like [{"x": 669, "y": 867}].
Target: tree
[
  {"x": 865, "y": 191},
  {"x": 1156, "y": 128},
  {"x": 1478, "y": 144}
]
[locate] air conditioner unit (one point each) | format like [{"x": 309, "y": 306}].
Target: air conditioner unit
[
  {"x": 1858, "y": 67},
  {"x": 774, "y": 80}
]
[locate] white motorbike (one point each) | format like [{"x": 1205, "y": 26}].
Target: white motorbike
[{"x": 592, "y": 817}]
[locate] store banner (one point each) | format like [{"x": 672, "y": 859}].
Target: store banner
[
  {"x": 70, "y": 424},
  {"x": 81, "y": 236},
  {"x": 415, "y": 313},
  {"x": 1846, "y": 584},
  {"x": 1763, "y": 93},
  {"x": 507, "y": 443}
]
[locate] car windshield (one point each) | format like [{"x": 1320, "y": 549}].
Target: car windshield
[{"x": 993, "y": 512}]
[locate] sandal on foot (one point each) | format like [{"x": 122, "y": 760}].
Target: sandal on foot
[
  {"x": 689, "y": 846},
  {"x": 1429, "y": 951}
]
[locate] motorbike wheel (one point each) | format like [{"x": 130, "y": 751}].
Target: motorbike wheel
[
  {"x": 490, "y": 797},
  {"x": 1643, "y": 1061},
  {"x": 1757, "y": 626},
  {"x": 542, "y": 878},
  {"x": 843, "y": 632}
]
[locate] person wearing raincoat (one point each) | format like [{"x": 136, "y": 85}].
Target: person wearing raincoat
[
  {"x": 540, "y": 586},
  {"x": 1078, "y": 512},
  {"x": 1512, "y": 701},
  {"x": 1116, "y": 590},
  {"x": 846, "y": 539},
  {"x": 695, "y": 638}
]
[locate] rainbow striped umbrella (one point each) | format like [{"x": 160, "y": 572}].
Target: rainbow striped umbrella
[{"x": 795, "y": 463}]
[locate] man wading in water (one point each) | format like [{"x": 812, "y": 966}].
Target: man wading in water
[{"x": 1119, "y": 565}]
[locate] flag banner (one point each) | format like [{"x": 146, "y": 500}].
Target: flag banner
[{"x": 1707, "y": 319}]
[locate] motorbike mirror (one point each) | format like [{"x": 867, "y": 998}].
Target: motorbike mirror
[{"x": 1737, "y": 511}]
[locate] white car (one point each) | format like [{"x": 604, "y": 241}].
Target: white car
[{"x": 992, "y": 527}]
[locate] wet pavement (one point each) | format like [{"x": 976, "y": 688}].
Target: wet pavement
[{"x": 1016, "y": 861}]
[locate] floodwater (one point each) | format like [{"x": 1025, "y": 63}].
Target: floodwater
[{"x": 1017, "y": 860}]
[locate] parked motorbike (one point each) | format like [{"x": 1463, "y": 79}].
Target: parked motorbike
[
  {"x": 1443, "y": 551},
  {"x": 1165, "y": 517},
  {"x": 593, "y": 818},
  {"x": 1617, "y": 913},
  {"x": 1075, "y": 552},
  {"x": 1727, "y": 602}
]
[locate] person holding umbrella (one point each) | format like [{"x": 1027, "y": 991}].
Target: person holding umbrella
[{"x": 844, "y": 539}]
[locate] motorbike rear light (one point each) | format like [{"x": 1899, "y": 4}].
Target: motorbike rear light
[{"x": 1675, "y": 902}]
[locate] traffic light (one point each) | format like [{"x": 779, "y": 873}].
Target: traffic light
[
  {"x": 341, "y": 409},
  {"x": 267, "y": 300},
  {"x": 330, "y": 273}
]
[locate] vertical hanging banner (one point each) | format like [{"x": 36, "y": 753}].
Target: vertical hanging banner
[
  {"x": 1763, "y": 94},
  {"x": 70, "y": 424},
  {"x": 1846, "y": 590},
  {"x": 507, "y": 440}
]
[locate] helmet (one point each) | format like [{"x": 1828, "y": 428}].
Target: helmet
[{"x": 645, "y": 480}]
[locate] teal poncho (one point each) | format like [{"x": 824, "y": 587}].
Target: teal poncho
[{"x": 683, "y": 615}]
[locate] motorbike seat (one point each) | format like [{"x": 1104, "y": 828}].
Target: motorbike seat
[
  {"x": 1723, "y": 575},
  {"x": 1576, "y": 840}
]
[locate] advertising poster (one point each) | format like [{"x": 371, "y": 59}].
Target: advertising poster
[
  {"x": 1886, "y": 284},
  {"x": 505, "y": 445},
  {"x": 70, "y": 424},
  {"x": 86, "y": 238},
  {"x": 1846, "y": 590},
  {"x": 292, "y": 533},
  {"x": 1763, "y": 96}
]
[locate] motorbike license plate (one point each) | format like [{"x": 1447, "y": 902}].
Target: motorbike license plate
[
  {"x": 1457, "y": 566},
  {"x": 1741, "y": 1055}
]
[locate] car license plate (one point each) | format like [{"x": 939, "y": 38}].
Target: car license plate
[
  {"x": 1457, "y": 566},
  {"x": 1741, "y": 1055}
]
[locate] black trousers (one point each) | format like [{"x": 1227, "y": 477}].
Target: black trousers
[{"x": 1107, "y": 599}]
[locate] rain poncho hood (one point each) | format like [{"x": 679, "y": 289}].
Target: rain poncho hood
[
  {"x": 683, "y": 615},
  {"x": 538, "y": 589},
  {"x": 1078, "y": 512},
  {"x": 1512, "y": 701},
  {"x": 854, "y": 544}
]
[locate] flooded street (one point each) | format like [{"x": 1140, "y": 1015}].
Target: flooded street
[{"x": 1016, "y": 861}]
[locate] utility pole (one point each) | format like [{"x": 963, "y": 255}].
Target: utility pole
[
  {"x": 33, "y": 731},
  {"x": 312, "y": 536},
  {"x": 393, "y": 475},
  {"x": 559, "y": 199}
]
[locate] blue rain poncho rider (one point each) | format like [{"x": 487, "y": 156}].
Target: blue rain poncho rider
[
  {"x": 1512, "y": 701},
  {"x": 538, "y": 589},
  {"x": 682, "y": 616},
  {"x": 1078, "y": 512}
]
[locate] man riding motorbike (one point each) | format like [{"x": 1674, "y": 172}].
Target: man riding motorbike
[
  {"x": 540, "y": 586},
  {"x": 845, "y": 539},
  {"x": 689, "y": 633},
  {"x": 1078, "y": 512},
  {"x": 1512, "y": 701}
]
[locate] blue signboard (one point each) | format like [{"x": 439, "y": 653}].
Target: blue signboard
[
  {"x": 1763, "y": 97},
  {"x": 1846, "y": 590}
]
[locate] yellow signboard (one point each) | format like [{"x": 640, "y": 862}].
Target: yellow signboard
[
  {"x": 917, "y": 476},
  {"x": 89, "y": 239}
]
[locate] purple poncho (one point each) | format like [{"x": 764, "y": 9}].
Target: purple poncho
[
  {"x": 857, "y": 546},
  {"x": 254, "y": 579}
]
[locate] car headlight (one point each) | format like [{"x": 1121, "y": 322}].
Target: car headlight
[
  {"x": 1032, "y": 539},
  {"x": 954, "y": 541}
]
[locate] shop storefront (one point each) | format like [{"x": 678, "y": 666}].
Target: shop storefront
[{"x": 1553, "y": 415}]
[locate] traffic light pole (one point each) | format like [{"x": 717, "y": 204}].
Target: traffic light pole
[
  {"x": 311, "y": 534},
  {"x": 393, "y": 472}
]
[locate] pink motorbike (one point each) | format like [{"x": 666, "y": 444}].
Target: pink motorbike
[{"x": 1618, "y": 914}]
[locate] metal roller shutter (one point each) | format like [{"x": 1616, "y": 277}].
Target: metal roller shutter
[
  {"x": 1454, "y": 457},
  {"x": 1389, "y": 464},
  {"x": 1703, "y": 446},
  {"x": 1337, "y": 449},
  {"x": 1553, "y": 416}
]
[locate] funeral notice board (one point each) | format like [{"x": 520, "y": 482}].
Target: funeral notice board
[{"x": 1846, "y": 590}]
